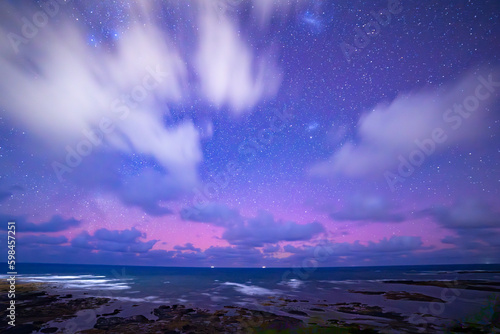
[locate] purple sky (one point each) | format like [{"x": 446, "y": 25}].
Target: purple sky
[{"x": 251, "y": 133}]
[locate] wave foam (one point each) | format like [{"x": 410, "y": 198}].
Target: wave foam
[
  {"x": 250, "y": 290},
  {"x": 80, "y": 282}
]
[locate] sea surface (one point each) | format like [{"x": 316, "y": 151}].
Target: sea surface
[{"x": 214, "y": 288}]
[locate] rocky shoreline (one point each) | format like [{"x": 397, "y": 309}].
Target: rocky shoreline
[{"x": 39, "y": 311}]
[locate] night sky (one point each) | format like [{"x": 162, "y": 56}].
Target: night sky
[{"x": 251, "y": 132}]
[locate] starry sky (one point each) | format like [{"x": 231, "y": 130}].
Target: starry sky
[{"x": 244, "y": 133}]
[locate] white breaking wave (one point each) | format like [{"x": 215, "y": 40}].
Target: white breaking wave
[
  {"x": 251, "y": 290},
  {"x": 293, "y": 283},
  {"x": 80, "y": 282}
]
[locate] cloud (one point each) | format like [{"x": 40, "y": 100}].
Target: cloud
[
  {"x": 403, "y": 250},
  {"x": 62, "y": 89},
  {"x": 475, "y": 224},
  {"x": 251, "y": 232},
  {"x": 188, "y": 246},
  {"x": 55, "y": 224},
  {"x": 396, "y": 244},
  {"x": 124, "y": 236},
  {"x": 42, "y": 239},
  {"x": 370, "y": 209},
  {"x": 271, "y": 249},
  {"x": 392, "y": 129},
  {"x": 266, "y": 10},
  {"x": 82, "y": 241},
  {"x": 263, "y": 229},
  {"x": 215, "y": 213},
  {"x": 147, "y": 189},
  {"x": 230, "y": 74},
  {"x": 114, "y": 241},
  {"x": 466, "y": 214},
  {"x": 237, "y": 256}
]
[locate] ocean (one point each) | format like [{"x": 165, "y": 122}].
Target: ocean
[
  {"x": 215, "y": 286},
  {"x": 268, "y": 289}
]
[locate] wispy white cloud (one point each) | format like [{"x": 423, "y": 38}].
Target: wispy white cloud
[
  {"x": 60, "y": 86},
  {"x": 392, "y": 129},
  {"x": 230, "y": 72}
]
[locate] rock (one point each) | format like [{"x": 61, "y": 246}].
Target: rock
[
  {"x": 480, "y": 285},
  {"x": 30, "y": 295},
  {"x": 367, "y": 292},
  {"x": 363, "y": 309},
  {"x": 186, "y": 311},
  {"x": 138, "y": 318},
  {"x": 49, "y": 330},
  {"x": 414, "y": 296},
  {"x": 495, "y": 319},
  {"x": 115, "y": 312},
  {"x": 297, "y": 312},
  {"x": 21, "y": 329},
  {"x": 107, "y": 323},
  {"x": 166, "y": 312},
  {"x": 317, "y": 309}
]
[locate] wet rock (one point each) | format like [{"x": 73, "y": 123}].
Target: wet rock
[
  {"x": 21, "y": 329},
  {"x": 367, "y": 292},
  {"x": 363, "y": 309},
  {"x": 30, "y": 295},
  {"x": 164, "y": 312},
  {"x": 480, "y": 285},
  {"x": 495, "y": 319},
  {"x": 297, "y": 312},
  {"x": 138, "y": 318},
  {"x": 187, "y": 311},
  {"x": 115, "y": 312},
  {"x": 403, "y": 295},
  {"x": 108, "y": 323}
]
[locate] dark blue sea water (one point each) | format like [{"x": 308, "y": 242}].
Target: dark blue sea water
[
  {"x": 216, "y": 287},
  {"x": 319, "y": 293}
]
